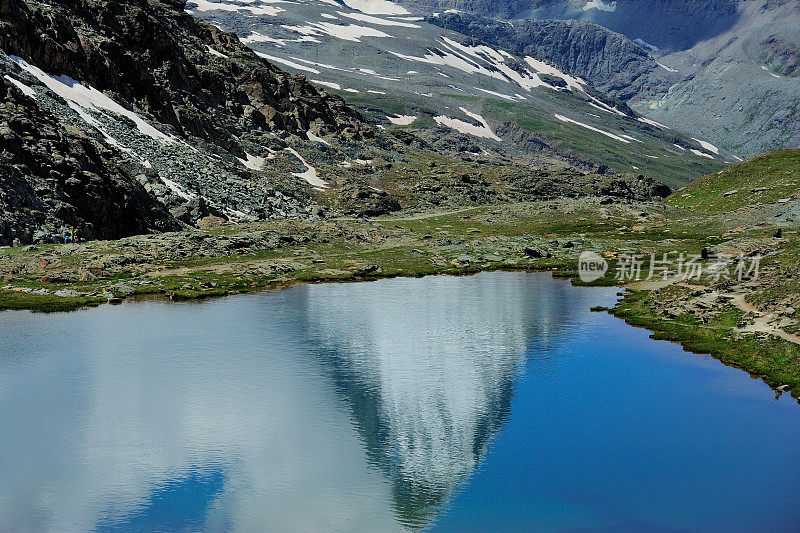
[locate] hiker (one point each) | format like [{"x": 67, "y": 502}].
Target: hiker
[{"x": 78, "y": 235}]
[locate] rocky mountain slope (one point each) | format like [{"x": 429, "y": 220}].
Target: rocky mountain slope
[
  {"x": 741, "y": 87},
  {"x": 133, "y": 116},
  {"x": 129, "y": 116},
  {"x": 665, "y": 24}
]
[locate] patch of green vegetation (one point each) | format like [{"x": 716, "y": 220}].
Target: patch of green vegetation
[
  {"x": 652, "y": 153},
  {"x": 763, "y": 179},
  {"x": 44, "y": 303}
]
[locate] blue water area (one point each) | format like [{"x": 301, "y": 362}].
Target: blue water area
[{"x": 497, "y": 402}]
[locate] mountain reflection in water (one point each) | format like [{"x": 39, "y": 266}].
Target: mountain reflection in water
[
  {"x": 355, "y": 407},
  {"x": 428, "y": 369},
  {"x": 485, "y": 403}
]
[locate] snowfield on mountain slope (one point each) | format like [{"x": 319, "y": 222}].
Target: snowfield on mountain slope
[
  {"x": 482, "y": 131},
  {"x": 83, "y": 98},
  {"x": 402, "y": 120},
  {"x": 310, "y": 174},
  {"x": 206, "y": 5},
  {"x": 592, "y": 128},
  {"x": 375, "y": 7}
]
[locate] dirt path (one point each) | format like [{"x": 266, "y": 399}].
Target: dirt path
[
  {"x": 763, "y": 322},
  {"x": 420, "y": 216}
]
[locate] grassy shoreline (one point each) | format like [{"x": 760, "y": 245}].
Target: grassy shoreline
[{"x": 750, "y": 355}]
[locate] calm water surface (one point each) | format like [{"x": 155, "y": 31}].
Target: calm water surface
[{"x": 486, "y": 403}]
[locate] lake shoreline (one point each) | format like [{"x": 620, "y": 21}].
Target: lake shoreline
[{"x": 273, "y": 256}]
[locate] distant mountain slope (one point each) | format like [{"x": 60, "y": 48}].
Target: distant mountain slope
[
  {"x": 741, "y": 87},
  {"x": 610, "y": 61},
  {"x": 735, "y": 62},
  {"x": 666, "y": 24},
  {"x": 461, "y": 95}
]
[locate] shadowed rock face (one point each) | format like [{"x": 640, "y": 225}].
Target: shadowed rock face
[
  {"x": 154, "y": 54},
  {"x": 668, "y": 24},
  {"x": 208, "y": 97},
  {"x": 49, "y": 174}
]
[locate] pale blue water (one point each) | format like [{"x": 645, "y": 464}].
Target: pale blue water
[{"x": 489, "y": 403}]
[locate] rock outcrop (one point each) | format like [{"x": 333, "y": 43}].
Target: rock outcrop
[
  {"x": 179, "y": 70},
  {"x": 52, "y": 178}
]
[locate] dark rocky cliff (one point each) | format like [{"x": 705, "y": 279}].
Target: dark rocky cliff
[
  {"x": 153, "y": 53},
  {"x": 63, "y": 165}
]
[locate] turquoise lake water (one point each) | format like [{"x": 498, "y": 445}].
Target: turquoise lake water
[{"x": 496, "y": 402}]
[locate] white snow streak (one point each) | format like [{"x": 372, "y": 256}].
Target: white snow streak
[
  {"x": 483, "y": 131},
  {"x": 252, "y": 162},
  {"x": 376, "y": 7},
  {"x": 310, "y": 174},
  {"x": 402, "y": 120},
  {"x": 588, "y": 127},
  {"x": 205, "y": 5},
  {"x": 27, "y": 91},
  {"x": 707, "y": 146},
  {"x": 599, "y": 5}
]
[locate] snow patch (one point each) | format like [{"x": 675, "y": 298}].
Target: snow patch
[
  {"x": 216, "y": 53},
  {"x": 701, "y": 154},
  {"x": 206, "y": 5},
  {"x": 175, "y": 188},
  {"x": 588, "y": 127},
  {"x": 315, "y": 138},
  {"x": 652, "y": 123},
  {"x": 329, "y": 84},
  {"x": 602, "y": 106},
  {"x": 402, "y": 120},
  {"x": 543, "y": 68},
  {"x": 377, "y": 20},
  {"x": 252, "y": 162},
  {"x": 600, "y": 6},
  {"x": 644, "y": 44},
  {"x": 349, "y": 32},
  {"x": 310, "y": 174},
  {"x": 483, "y": 131},
  {"x": 27, "y": 91},
  {"x": 494, "y": 93},
  {"x": 707, "y": 146},
  {"x": 290, "y": 64},
  {"x": 668, "y": 69},
  {"x": 376, "y": 7}
]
